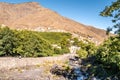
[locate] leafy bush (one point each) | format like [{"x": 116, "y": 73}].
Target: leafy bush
[
  {"x": 87, "y": 49},
  {"x": 7, "y": 41},
  {"x": 109, "y": 52},
  {"x": 76, "y": 41},
  {"x": 31, "y": 43},
  {"x": 82, "y": 53},
  {"x": 57, "y": 51},
  {"x": 54, "y": 37}
]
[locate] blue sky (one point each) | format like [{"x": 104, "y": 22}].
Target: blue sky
[{"x": 83, "y": 11}]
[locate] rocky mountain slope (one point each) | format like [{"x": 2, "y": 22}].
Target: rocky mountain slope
[{"x": 32, "y": 16}]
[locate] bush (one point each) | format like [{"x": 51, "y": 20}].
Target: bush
[
  {"x": 87, "y": 49},
  {"x": 57, "y": 51},
  {"x": 31, "y": 44},
  {"x": 109, "y": 52},
  {"x": 7, "y": 41},
  {"x": 54, "y": 37},
  {"x": 82, "y": 53}
]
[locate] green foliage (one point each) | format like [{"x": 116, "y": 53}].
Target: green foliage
[
  {"x": 31, "y": 43},
  {"x": 109, "y": 52},
  {"x": 113, "y": 11},
  {"x": 55, "y": 37},
  {"x": 90, "y": 48},
  {"x": 107, "y": 59},
  {"x": 57, "y": 51},
  {"x": 6, "y": 41},
  {"x": 65, "y": 43},
  {"x": 87, "y": 49},
  {"x": 105, "y": 62},
  {"x": 82, "y": 53},
  {"x": 76, "y": 41},
  {"x": 65, "y": 50},
  {"x": 108, "y": 11},
  {"x": 61, "y": 39}
]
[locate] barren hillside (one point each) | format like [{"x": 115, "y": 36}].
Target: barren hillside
[{"x": 33, "y": 16}]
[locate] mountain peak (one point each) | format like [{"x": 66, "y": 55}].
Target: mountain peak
[
  {"x": 32, "y": 16},
  {"x": 34, "y": 4},
  {"x": 21, "y": 3},
  {"x": 31, "y": 3}
]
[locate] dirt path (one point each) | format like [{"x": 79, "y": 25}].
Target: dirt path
[{"x": 30, "y": 68}]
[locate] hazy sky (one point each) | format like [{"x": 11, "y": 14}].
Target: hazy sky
[{"x": 83, "y": 11}]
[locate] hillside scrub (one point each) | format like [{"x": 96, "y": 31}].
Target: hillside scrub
[
  {"x": 87, "y": 48},
  {"x": 109, "y": 52},
  {"x": 31, "y": 44},
  {"x": 106, "y": 65},
  {"x": 104, "y": 59}
]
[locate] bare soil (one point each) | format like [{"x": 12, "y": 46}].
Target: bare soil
[{"x": 12, "y": 68}]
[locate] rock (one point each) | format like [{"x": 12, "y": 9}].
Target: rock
[
  {"x": 57, "y": 70},
  {"x": 93, "y": 78}
]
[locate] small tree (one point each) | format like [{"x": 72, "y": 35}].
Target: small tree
[
  {"x": 7, "y": 41},
  {"x": 113, "y": 11},
  {"x": 109, "y": 52}
]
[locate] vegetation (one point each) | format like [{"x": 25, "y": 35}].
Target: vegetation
[
  {"x": 32, "y": 44},
  {"x": 105, "y": 58},
  {"x": 109, "y": 52},
  {"x": 87, "y": 48},
  {"x": 107, "y": 62},
  {"x": 55, "y": 37},
  {"x": 103, "y": 61},
  {"x": 113, "y": 11},
  {"x": 82, "y": 53},
  {"x": 109, "y": 55}
]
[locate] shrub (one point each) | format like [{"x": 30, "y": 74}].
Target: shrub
[
  {"x": 82, "y": 53},
  {"x": 109, "y": 52},
  {"x": 32, "y": 44}
]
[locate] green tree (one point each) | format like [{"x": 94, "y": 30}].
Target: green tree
[
  {"x": 76, "y": 41},
  {"x": 109, "y": 52},
  {"x": 7, "y": 41},
  {"x": 82, "y": 53},
  {"x": 113, "y": 11},
  {"x": 65, "y": 45},
  {"x": 87, "y": 49},
  {"x": 30, "y": 44}
]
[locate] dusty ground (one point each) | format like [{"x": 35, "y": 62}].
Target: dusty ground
[{"x": 30, "y": 68}]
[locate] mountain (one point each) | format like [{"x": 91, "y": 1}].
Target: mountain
[{"x": 32, "y": 16}]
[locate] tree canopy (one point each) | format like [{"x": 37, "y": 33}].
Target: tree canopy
[
  {"x": 32, "y": 44},
  {"x": 113, "y": 11}
]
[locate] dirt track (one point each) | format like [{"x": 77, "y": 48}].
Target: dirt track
[{"x": 30, "y": 68}]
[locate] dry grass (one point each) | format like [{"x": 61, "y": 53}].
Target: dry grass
[{"x": 34, "y": 68}]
